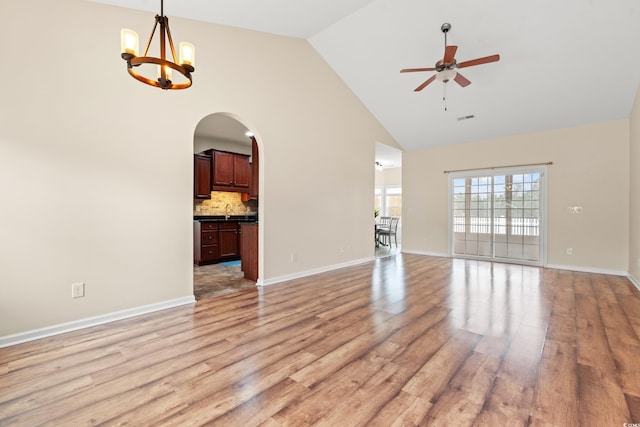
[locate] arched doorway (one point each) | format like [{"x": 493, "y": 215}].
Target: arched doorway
[{"x": 225, "y": 206}]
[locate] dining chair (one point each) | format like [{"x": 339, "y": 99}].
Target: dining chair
[
  {"x": 384, "y": 234},
  {"x": 382, "y": 225},
  {"x": 384, "y": 222}
]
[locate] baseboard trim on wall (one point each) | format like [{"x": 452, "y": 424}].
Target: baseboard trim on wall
[
  {"x": 635, "y": 281},
  {"x": 588, "y": 270},
  {"x": 435, "y": 254},
  {"x": 9, "y": 340},
  {"x": 311, "y": 272}
]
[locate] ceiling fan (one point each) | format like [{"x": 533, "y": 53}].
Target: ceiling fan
[{"x": 447, "y": 66}]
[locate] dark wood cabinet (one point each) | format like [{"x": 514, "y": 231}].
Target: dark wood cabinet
[
  {"x": 242, "y": 172},
  {"x": 201, "y": 176},
  {"x": 229, "y": 239},
  {"x": 215, "y": 241},
  {"x": 222, "y": 168},
  {"x": 230, "y": 171},
  {"x": 249, "y": 249},
  {"x": 255, "y": 171},
  {"x": 205, "y": 242}
]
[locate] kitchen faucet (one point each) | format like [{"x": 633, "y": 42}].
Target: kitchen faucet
[{"x": 226, "y": 211}]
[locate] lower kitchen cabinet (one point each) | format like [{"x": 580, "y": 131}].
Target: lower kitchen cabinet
[
  {"x": 249, "y": 252},
  {"x": 215, "y": 241},
  {"x": 205, "y": 242},
  {"x": 229, "y": 239}
]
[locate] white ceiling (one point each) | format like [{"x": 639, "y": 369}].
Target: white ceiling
[{"x": 563, "y": 63}]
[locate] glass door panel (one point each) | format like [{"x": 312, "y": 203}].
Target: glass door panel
[{"x": 497, "y": 216}]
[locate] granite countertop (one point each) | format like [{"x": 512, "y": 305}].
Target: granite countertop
[{"x": 222, "y": 218}]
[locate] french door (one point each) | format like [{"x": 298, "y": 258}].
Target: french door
[{"x": 498, "y": 215}]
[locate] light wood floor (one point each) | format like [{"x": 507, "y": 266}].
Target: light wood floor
[{"x": 404, "y": 340}]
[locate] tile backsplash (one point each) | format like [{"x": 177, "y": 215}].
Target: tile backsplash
[{"x": 217, "y": 205}]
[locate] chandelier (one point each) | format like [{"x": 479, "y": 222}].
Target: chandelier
[{"x": 165, "y": 68}]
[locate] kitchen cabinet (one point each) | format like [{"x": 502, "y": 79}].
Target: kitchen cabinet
[
  {"x": 216, "y": 241},
  {"x": 230, "y": 171},
  {"x": 205, "y": 242},
  {"x": 201, "y": 176},
  {"x": 249, "y": 248},
  {"x": 255, "y": 171},
  {"x": 228, "y": 239}
]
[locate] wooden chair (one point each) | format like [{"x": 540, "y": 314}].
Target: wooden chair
[
  {"x": 384, "y": 234},
  {"x": 383, "y": 224}
]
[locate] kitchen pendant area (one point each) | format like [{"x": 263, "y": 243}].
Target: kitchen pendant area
[{"x": 225, "y": 207}]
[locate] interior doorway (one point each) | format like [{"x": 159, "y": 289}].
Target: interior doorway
[
  {"x": 388, "y": 196},
  {"x": 225, "y": 204}
]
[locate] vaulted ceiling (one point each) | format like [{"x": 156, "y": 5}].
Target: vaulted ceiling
[{"x": 562, "y": 63}]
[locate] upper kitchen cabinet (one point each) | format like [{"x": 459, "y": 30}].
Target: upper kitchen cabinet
[
  {"x": 201, "y": 176},
  {"x": 230, "y": 171},
  {"x": 255, "y": 171}
]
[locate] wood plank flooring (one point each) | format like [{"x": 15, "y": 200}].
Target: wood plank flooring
[{"x": 404, "y": 340}]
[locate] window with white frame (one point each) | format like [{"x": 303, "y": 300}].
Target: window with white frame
[
  {"x": 393, "y": 201},
  {"x": 388, "y": 200},
  {"x": 498, "y": 214}
]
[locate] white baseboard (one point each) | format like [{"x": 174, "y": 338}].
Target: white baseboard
[
  {"x": 427, "y": 253},
  {"x": 311, "y": 272},
  {"x": 587, "y": 269},
  {"x": 48, "y": 331},
  {"x": 635, "y": 281}
]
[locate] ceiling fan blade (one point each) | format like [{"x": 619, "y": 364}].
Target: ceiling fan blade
[
  {"x": 461, "y": 80},
  {"x": 413, "y": 70},
  {"x": 423, "y": 85},
  {"x": 485, "y": 60},
  {"x": 449, "y": 54}
]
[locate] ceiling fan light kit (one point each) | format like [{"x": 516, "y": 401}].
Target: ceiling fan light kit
[{"x": 447, "y": 66}]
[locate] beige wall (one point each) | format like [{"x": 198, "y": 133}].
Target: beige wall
[
  {"x": 634, "y": 159},
  {"x": 590, "y": 169},
  {"x": 96, "y": 168}
]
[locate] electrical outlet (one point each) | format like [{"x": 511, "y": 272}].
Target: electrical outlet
[
  {"x": 77, "y": 290},
  {"x": 569, "y": 251}
]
